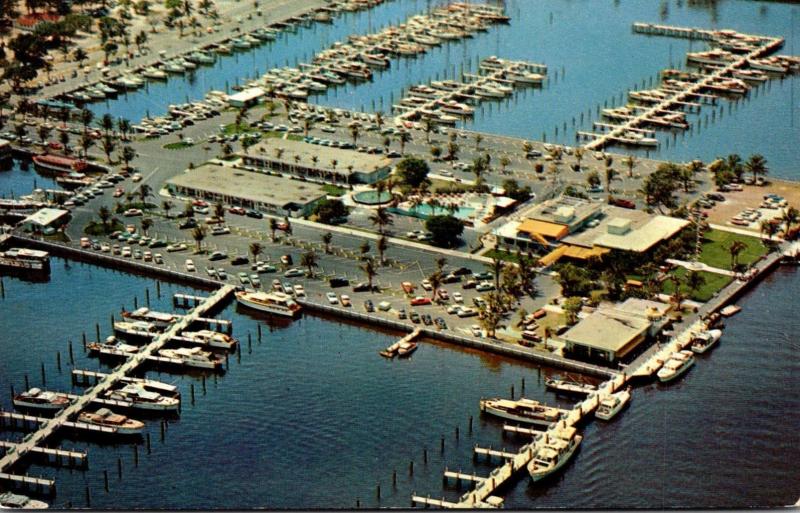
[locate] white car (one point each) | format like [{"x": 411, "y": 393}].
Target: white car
[
  {"x": 136, "y": 177},
  {"x": 131, "y": 212},
  {"x": 293, "y": 273},
  {"x": 299, "y": 291},
  {"x": 426, "y": 284},
  {"x": 126, "y": 252},
  {"x": 332, "y": 298},
  {"x": 476, "y": 330},
  {"x": 189, "y": 265},
  {"x": 457, "y": 297},
  {"x": 105, "y": 248},
  {"x": 176, "y": 247}
]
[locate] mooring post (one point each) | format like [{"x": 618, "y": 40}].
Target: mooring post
[
  {"x": 71, "y": 356},
  {"x": 105, "y": 479}
]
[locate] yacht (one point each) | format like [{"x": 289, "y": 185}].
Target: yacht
[
  {"x": 200, "y": 57},
  {"x": 612, "y": 404},
  {"x": 560, "y": 445},
  {"x": 134, "y": 329},
  {"x": 107, "y": 418},
  {"x": 678, "y": 363},
  {"x": 193, "y": 357},
  {"x": 211, "y": 338},
  {"x": 374, "y": 59},
  {"x": 406, "y": 348},
  {"x": 752, "y": 75},
  {"x": 523, "y": 77},
  {"x": 174, "y": 67},
  {"x": 489, "y": 92},
  {"x": 276, "y": 303},
  {"x": 240, "y": 43},
  {"x": 714, "y": 56},
  {"x": 705, "y": 340},
  {"x": 454, "y": 107},
  {"x": 158, "y": 319},
  {"x": 771, "y": 64},
  {"x": 112, "y": 347},
  {"x": 136, "y": 396},
  {"x": 187, "y": 65},
  {"x": 39, "y": 399},
  {"x": 94, "y": 93},
  {"x": 569, "y": 387},
  {"x": 10, "y": 500},
  {"x": 154, "y": 73},
  {"x": 447, "y": 85},
  {"x": 23, "y": 259},
  {"x": 423, "y": 91},
  {"x": 109, "y": 91},
  {"x": 59, "y": 164},
  {"x": 523, "y": 410}
]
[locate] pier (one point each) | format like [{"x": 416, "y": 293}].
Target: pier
[{"x": 93, "y": 394}]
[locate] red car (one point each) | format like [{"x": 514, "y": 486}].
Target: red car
[
  {"x": 199, "y": 203},
  {"x": 419, "y": 301},
  {"x": 624, "y": 203},
  {"x": 237, "y": 210},
  {"x": 283, "y": 225}
]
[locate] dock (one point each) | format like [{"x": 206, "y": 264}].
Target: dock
[{"x": 93, "y": 394}]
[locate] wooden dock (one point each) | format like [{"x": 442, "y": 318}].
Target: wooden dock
[{"x": 93, "y": 394}]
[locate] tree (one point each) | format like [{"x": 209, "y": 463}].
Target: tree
[
  {"x": 768, "y": 229},
  {"x": 147, "y": 223},
  {"x": 445, "y": 230},
  {"x": 145, "y": 191},
  {"x": 370, "y": 269},
  {"x": 479, "y": 166},
  {"x": 198, "y": 234},
  {"x": 427, "y": 127},
  {"x": 43, "y": 132},
  {"x": 491, "y": 313},
  {"x": 381, "y": 246},
  {"x": 452, "y": 150},
  {"x": 736, "y": 247},
  {"x": 329, "y": 211},
  {"x": 571, "y": 306},
  {"x": 104, "y": 214},
  {"x": 219, "y": 210},
  {"x": 630, "y": 163},
  {"x": 364, "y": 248},
  {"x": 789, "y": 217},
  {"x": 127, "y": 154},
  {"x": 593, "y": 179},
  {"x": 273, "y": 226},
  {"x": 610, "y": 174},
  {"x": 574, "y": 281},
  {"x": 678, "y": 296},
  {"x": 436, "y": 280},
  {"x": 256, "y": 249},
  {"x": 733, "y": 163},
  {"x": 403, "y": 137},
  {"x": 166, "y": 206},
  {"x": 413, "y": 171},
  {"x": 309, "y": 261},
  {"x": 381, "y": 218},
  {"x": 694, "y": 280},
  {"x": 108, "y": 147},
  {"x": 188, "y": 211},
  {"x": 327, "y": 237},
  {"x": 504, "y": 163},
  {"x": 757, "y": 166},
  {"x": 659, "y": 187},
  {"x": 354, "y": 133}
]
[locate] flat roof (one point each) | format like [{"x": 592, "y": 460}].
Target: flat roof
[
  {"x": 551, "y": 210},
  {"x": 46, "y": 216},
  {"x": 544, "y": 228},
  {"x": 247, "y": 95},
  {"x": 361, "y": 162},
  {"x": 248, "y": 185},
  {"x": 642, "y": 307},
  {"x": 607, "y": 330}
]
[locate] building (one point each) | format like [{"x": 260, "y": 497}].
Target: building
[
  {"x": 316, "y": 162},
  {"x": 246, "y": 98},
  {"x": 606, "y": 335},
  {"x": 45, "y": 220},
  {"x": 241, "y": 187}
]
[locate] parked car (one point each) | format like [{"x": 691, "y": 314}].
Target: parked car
[
  {"x": 427, "y": 319},
  {"x": 486, "y": 275},
  {"x": 339, "y": 282},
  {"x": 287, "y": 260},
  {"x": 254, "y": 214},
  {"x": 457, "y": 297},
  {"x": 414, "y": 316},
  {"x": 401, "y": 314},
  {"x": 239, "y": 211},
  {"x": 188, "y": 223},
  {"x": 133, "y": 212},
  {"x": 240, "y": 260},
  {"x": 220, "y": 230},
  {"x": 294, "y": 272},
  {"x": 426, "y": 284},
  {"x": 345, "y": 300},
  {"x": 420, "y": 300},
  {"x": 217, "y": 255},
  {"x": 476, "y": 330},
  {"x": 467, "y": 312},
  {"x": 624, "y": 203},
  {"x": 299, "y": 291},
  {"x": 484, "y": 286},
  {"x": 189, "y": 265},
  {"x": 369, "y": 306},
  {"x": 332, "y": 298}
]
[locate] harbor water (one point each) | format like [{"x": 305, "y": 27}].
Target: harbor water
[
  {"x": 603, "y": 60},
  {"x": 312, "y": 417}
]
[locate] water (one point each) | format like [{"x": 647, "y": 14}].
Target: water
[
  {"x": 426, "y": 211},
  {"x": 19, "y": 178},
  {"x": 603, "y": 60}
]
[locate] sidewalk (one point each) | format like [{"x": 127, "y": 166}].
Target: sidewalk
[{"x": 700, "y": 266}]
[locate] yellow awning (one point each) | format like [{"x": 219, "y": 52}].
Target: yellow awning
[{"x": 544, "y": 229}]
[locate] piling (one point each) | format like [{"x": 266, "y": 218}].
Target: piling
[
  {"x": 148, "y": 443},
  {"x": 158, "y": 289},
  {"x": 441, "y": 445},
  {"x": 258, "y": 327},
  {"x": 425, "y": 455},
  {"x": 88, "y": 498},
  {"x": 378, "y": 491},
  {"x": 27, "y": 385},
  {"x": 456, "y": 432},
  {"x": 83, "y": 336},
  {"x": 135, "y": 302},
  {"x": 58, "y": 360},
  {"x": 411, "y": 468},
  {"x": 119, "y": 468},
  {"x": 105, "y": 480},
  {"x": 470, "y": 424},
  {"x": 250, "y": 345},
  {"x": 204, "y": 385},
  {"x": 523, "y": 385},
  {"x": 2, "y": 289},
  {"x": 112, "y": 322},
  {"x": 97, "y": 331},
  {"x": 358, "y": 503},
  {"x": 135, "y": 455},
  {"x": 147, "y": 297},
  {"x": 394, "y": 478},
  {"x": 512, "y": 392},
  {"x": 44, "y": 377},
  {"x": 192, "y": 389}
]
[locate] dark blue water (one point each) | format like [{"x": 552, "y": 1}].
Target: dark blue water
[
  {"x": 593, "y": 57},
  {"x": 312, "y": 417},
  {"x": 18, "y": 178}
]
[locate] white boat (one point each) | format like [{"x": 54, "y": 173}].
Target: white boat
[
  {"x": 560, "y": 445},
  {"x": 446, "y": 85},
  {"x": 730, "y": 310},
  {"x": 187, "y": 65},
  {"x": 94, "y": 93},
  {"x": 154, "y": 73},
  {"x": 107, "y": 418},
  {"x": 240, "y": 43},
  {"x": 106, "y": 89},
  {"x": 10, "y": 500},
  {"x": 768, "y": 64},
  {"x": 23, "y": 259},
  {"x": 159, "y": 319},
  {"x": 374, "y": 59},
  {"x": 678, "y": 363},
  {"x": 569, "y": 387},
  {"x": 41, "y": 400},
  {"x": 141, "y": 329},
  {"x": 423, "y": 91},
  {"x": 489, "y": 92},
  {"x": 174, "y": 67},
  {"x": 223, "y": 49},
  {"x": 703, "y": 341},
  {"x": 406, "y": 348},
  {"x": 523, "y": 77},
  {"x": 454, "y": 107},
  {"x": 612, "y": 404},
  {"x": 112, "y": 347},
  {"x": 713, "y": 56},
  {"x": 211, "y": 338},
  {"x": 276, "y": 303},
  {"x": 193, "y": 357},
  {"x": 523, "y": 410},
  {"x": 136, "y": 396}
]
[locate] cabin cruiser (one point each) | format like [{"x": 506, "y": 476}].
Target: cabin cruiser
[
  {"x": 772, "y": 64},
  {"x": 522, "y": 410},
  {"x": 41, "y": 400},
  {"x": 158, "y": 319},
  {"x": 406, "y": 348},
  {"x": 142, "y": 329},
  {"x": 375, "y": 59},
  {"x": 193, "y": 357},
  {"x": 612, "y": 404},
  {"x": 10, "y": 500},
  {"x": 678, "y": 363},
  {"x": 560, "y": 445},
  {"x": 276, "y": 303},
  {"x": 569, "y": 387},
  {"x": 454, "y": 107},
  {"x": 210, "y": 338},
  {"x": 523, "y": 77},
  {"x": 107, "y": 418},
  {"x": 489, "y": 92},
  {"x": 713, "y": 56},
  {"x": 447, "y": 85},
  {"x": 423, "y": 91},
  {"x": 136, "y": 396},
  {"x": 112, "y": 347},
  {"x": 704, "y": 340},
  {"x": 24, "y": 259}
]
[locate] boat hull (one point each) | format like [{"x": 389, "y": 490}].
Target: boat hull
[
  {"x": 491, "y": 410},
  {"x": 268, "y": 309},
  {"x": 539, "y": 475}
]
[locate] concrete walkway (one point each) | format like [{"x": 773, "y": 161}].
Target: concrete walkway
[{"x": 700, "y": 266}]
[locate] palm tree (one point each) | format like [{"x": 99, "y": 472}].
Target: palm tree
[
  {"x": 256, "y": 249},
  {"x": 124, "y": 128},
  {"x": 504, "y": 163},
  {"x": 694, "y": 280},
  {"x": 382, "y": 245},
  {"x": 127, "y": 154},
  {"x": 307, "y": 124},
  {"x": 354, "y": 133},
  {"x": 63, "y": 138},
  {"x": 166, "y": 206},
  {"x": 273, "y": 225},
  {"x": 147, "y": 223},
  {"x": 610, "y": 174},
  {"x": 734, "y": 164},
  {"x": 736, "y": 247},
  {"x": 381, "y": 218},
  {"x": 436, "y": 280},
  {"x": 491, "y": 313},
  {"x": 756, "y": 165},
  {"x": 198, "y": 234},
  {"x": 403, "y": 137},
  {"x": 87, "y": 142},
  {"x": 379, "y": 119},
  {"x": 104, "y": 214},
  {"x": 789, "y": 217},
  {"x": 677, "y": 295},
  {"x": 43, "y": 132},
  {"x": 768, "y": 230},
  {"x": 630, "y": 163},
  {"x": 145, "y": 191},
  {"x": 334, "y": 163},
  {"x": 579, "y": 152},
  {"x": 86, "y": 118},
  {"x": 309, "y": 261},
  {"x": 496, "y": 266},
  {"x": 219, "y": 210},
  {"x": 327, "y": 237},
  {"x": 427, "y": 127},
  {"x": 440, "y": 263},
  {"x": 107, "y": 123},
  {"x": 364, "y": 248},
  {"x": 527, "y": 147},
  {"x": 478, "y": 141},
  {"x": 548, "y": 334},
  {"x": 370, "y": 269}
]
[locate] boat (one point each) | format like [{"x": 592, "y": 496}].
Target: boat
[
  {"x": 59, "y": 164},
  {"x": 569, "y": 387},
  {"x": 704, "y": 340},
  {"x": 770, "y": 64},
  {"x": 323, "y": 17},
  {"x": 199, "y": 57},
  {"x": 678, "y": 363},
  {"x": 730, "y": 310},
  {"x": 560, "y": 445},
  {"x": 406, "y": 348},
  {"x": 154, "y": 73},
  {"x": 23, "y": 259},
  {"x": 193, "y": 357},
  {"x": 107, "y": 418},
  {"x": 74, "y": 180},
  {"x": 109, "y": 91},
  {"x": 136, "y": 396},
  {"x": 210, "y": 338},
  {"x": 613, "y": 404},
  {"x": 522, "y": 77},
  {"x": 522, "y": 410},
  {"x": 94, "y": 93},
  {"x": 10, "y": 500},
  {"x": 276, "y": 303},
  {"x": 713, "y": 56},
  {"x": 454, "y": 107},
  {"x": 174, "y": 67},
  {"x": 112, "y": 347},
  {"x": 374, "y": 59},
  {"x": 39, "y": 399},
  {"x": 423, "y": 91},
  {"x": 141, "y": 329},
  {"x": 159, "y": 319},
  {"x": 489, "y": 92},
  {"x": 447, "y": 85},
  {"x": 240, "y": 43}
]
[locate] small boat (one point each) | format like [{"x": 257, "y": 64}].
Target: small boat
[
  {"x": 199, "y": 57},
  {"x": 406, "y": 348},
  {"x": 94, "y": 93},
  {"x": 612, "y": 404},
  {"x": 676, "y": 366},
  {"x": 374, "y": 59},
  {"x": 271, "y": 302},
  {"x": 107, "y": 418},
  {"x": 109, "y": 91},
  {"x": 569, "y": 387},
  {"x": 41, "y": 400},
  {"x": 240, "y": 43},
  {"x": 193, "y": 357},
  {"x": 135, "y": 396},
  {"x": 112, "y": 347},
  {"x": 154, "y": 73},
  {"x": 187, "y": 65},
  {"x": 174, "y": 67},
  {"x": 560, "y": 445},
  {"x": 158, "y": 319},
  {"x": 703, "y": 341},
  {"x": 323, "y": 17},
  {"x": 134, "y": 329},
  {"x": 730, "y": 310},
  {"x": 10, "y": 500},
  {"x": 768, "y": 64},
  {"x": 210, "y": 338},
  {"x": 523, "y": 410}
]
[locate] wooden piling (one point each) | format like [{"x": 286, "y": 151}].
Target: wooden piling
[
  {"x": 71, "y": 356},
  {"x": 148, "y": 443},
  {"x": 44, "y": 376},
  {"x": 135, "y": 302},
  {"x": 258, "y": 327},
  {"x": 147, "y": 297},
  {"x": 58, "y": 360},
  {"x": 105, "y": 479},
  {"x": 441, "y": 445},
  {"x": 162, "y": 431},
  {"x": 456, "y": 432},
  {"x": 411, "y": 468},
  {"x": 158, "y": 289},
  {"x": 512, "y": 392},
  {"x": 470, "y": 424},
  {"x": 119, "y": 468},
  {"x": 204, "y": 384},
  {"x": 378, "y": 491},
  {"x": 88, "y": 498},
  {"x": 425, "y": 455},
  {"x": 394, "y": 478},
  {"x": 97, "y": 331},
  {"x": 2, "y": 289},
  {"x": 135, "y": 455},
  {"x": 83, "y": 337},
  {"x": 27, "y": 384}
]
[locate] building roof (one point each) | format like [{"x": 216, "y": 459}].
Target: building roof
[
  {"x": 607, "y": 330},
  {"x": 46, "y": 216},
  {"x": 361, "y": 162},
  {"x": 248, "y": 185},
  {"x": 643, "y": 307},
  {"x": 565, "y": 210},
  {"x": 247, "y": 95},
  {"x": 543, "y": 228}
]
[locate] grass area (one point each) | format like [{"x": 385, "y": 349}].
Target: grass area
[
  {"x": 446, "y": 185},
  {"x": 714, "y": 251},
  {"x": 333, "y": 190},
  {"x": 502, "y": 255},
  {"x": 177, "y": 145},
  {"x": 233, "y": 128},
  {"x": 279, "y": 135},
  {"x": 713, "y": 284}
]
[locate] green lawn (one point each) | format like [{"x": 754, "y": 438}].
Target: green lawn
[
  {"x": 233, "y": 128},
  {"x": 333, "y": 190},
  {"x": 447, "y": 185},
  {"x": 714, "y": 283},
  {"x": 502, "y": 255},
  {"x": 714, "y": 251},
  {"x": 177, "y": 145}
]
